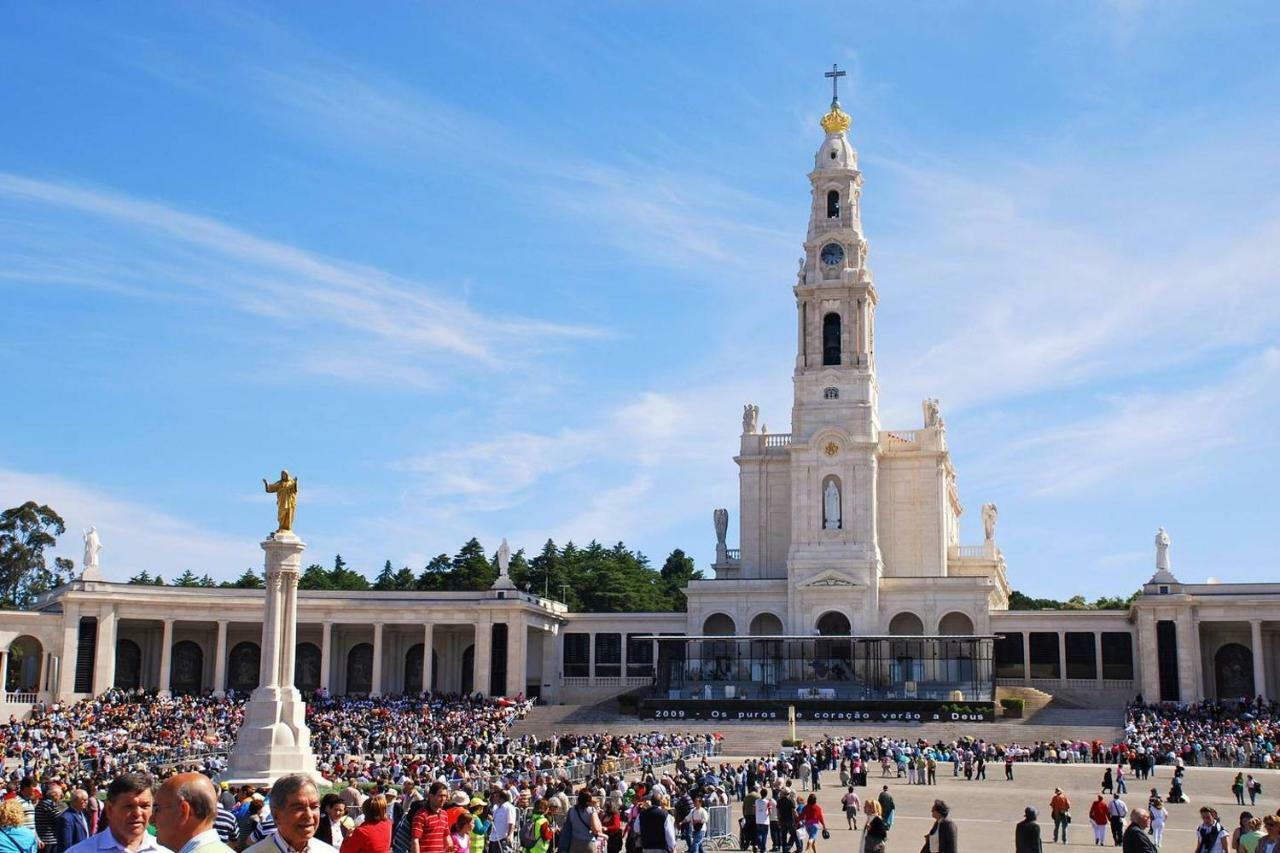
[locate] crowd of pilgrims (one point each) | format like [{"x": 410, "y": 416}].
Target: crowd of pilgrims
[
  {"x": 400, "y": 753},
  {"x": 89, "y": 742}
]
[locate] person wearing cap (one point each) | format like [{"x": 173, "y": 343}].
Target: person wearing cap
[
  {"x": 481, "y": 824},
  {"x": 1060, "y": 811},
  {"x": 1026, "y": 835}
]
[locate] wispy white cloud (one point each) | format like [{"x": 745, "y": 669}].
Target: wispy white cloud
[
  {"x": 1154, "y": 442},
  {"x": 134, "y": 536},
  {"x": 384, "y": 323}
]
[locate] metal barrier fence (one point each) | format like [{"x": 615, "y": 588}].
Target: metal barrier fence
[
  {"x": 721, "y": 833},
  {"x": 580, "y": 771}
]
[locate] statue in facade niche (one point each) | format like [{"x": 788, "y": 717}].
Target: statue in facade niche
[
  {"x": 989, "y": 516},
  {"x": 92, "y": 548},
  {"x": 831, "y": 506},
  {"x": 750, "y": 417},
  {"x": 721, "y": 518}
]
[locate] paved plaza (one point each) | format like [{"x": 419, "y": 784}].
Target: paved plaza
[{"x": 986, "y": 811}]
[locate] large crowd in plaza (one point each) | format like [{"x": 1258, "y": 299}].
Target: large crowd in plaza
[{"x": 391, "y": 758}]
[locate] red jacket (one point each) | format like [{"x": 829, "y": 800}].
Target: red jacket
[
  {"x": 369, "y": 838},
  {"x": 1099, "y": 814}
]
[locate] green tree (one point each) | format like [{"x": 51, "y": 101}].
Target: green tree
[
  {"x": 316, "y": 576},
  {"x": 187, "y": 578},
  {"x": 386, "y": 578},
  {"x": 676, "y": 572},
  {"x": 433, "y": 574},
  {"x": 404, "y": 580},
  {"x": 206, "y": 581},
  {"x": 26, "y": 531},
  {"x": 249, "y": 580},
  {"x": 1019, "y": 601},
  {"x": 143, "y": 577},
  {"x": 344, "y": 578}
]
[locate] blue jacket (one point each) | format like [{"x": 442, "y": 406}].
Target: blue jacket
[{"x": 71, "y": 828}]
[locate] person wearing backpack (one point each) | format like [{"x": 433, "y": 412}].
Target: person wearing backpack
[{"x": 1210, "y": 836}]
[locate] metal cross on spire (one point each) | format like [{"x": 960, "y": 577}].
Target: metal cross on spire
[{"x": 835, "y": 74}]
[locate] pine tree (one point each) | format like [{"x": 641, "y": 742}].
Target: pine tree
[
  {"x": 675, "y": 575},
  {"x": 386, "y": 578},
  {"x": 249, "y": 580},
  {"x": 433, "y": 574},
  {"x": 143, "y": 577},
  {"x": 187, "y": 578}
]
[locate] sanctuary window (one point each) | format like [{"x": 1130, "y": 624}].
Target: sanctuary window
[
  {"x": 833, "y": 204},
  {"x": 831, "y": 393},
  {"x": 831, "y": 339}
]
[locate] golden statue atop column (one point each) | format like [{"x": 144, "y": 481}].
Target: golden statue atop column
[{"x": 286, "y": 491}]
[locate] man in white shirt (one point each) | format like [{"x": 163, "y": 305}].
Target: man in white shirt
[
  {"x": 1117, "y": 810},
  {"x": 295, "y": 806},
  {"x": 128, "y": 811},
  {"x": 185, "y": 808},
  {"x": 765, "y": 810},
  {"x": 503, "y": 833}
]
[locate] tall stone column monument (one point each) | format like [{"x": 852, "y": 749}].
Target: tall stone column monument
[{"x": 274, "y": 739}]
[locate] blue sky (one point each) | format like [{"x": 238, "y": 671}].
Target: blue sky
[{"x": 477, "y": 270}]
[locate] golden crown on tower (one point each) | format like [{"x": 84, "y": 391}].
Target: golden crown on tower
[{"x": 837, "y": 120}]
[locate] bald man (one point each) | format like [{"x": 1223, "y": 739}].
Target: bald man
[{"x": 185, "y": 808}]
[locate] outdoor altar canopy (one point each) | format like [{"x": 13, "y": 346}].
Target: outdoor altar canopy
[{"x": 822, "y": 677}]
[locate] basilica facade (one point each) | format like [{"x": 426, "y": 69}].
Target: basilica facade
[{"x": 849, "y": 531}]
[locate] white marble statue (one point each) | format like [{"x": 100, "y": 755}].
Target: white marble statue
[
  {"x": 1162, "y": 550},
  {"x": 503, "y": 580},
  {"x": 750, "y": 417},
  {"x": 989, "y": 516},
  {"x": 92, "y": 548},
  {"x": 932, "y": 413},
  {"x": 721, "y": 518},
  {"x": 831, "y": 506}
]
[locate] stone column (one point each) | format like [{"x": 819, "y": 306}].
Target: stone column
[
  {"x": 166, "y": 657},
  {"x": 428, "y": 644},
  {"x": 517, "y": 655},
  {"x": 1259, "y": 658},
  {"x": 550, "y": 689},
  {"x": 1190, "y": 684},
  {"x": 274, "y": 739},
  {"x": 624, "y": 658},
  {"x": 1097, "y": 655},
  {"x": 104, "y": 666},
  {"x": 375, "y": 687},
  {"x": 67, "y": 656},
  {"x": 591, "y": 657},
  {"x": 220, "y": 660},
  {"x": 483, "y": 654},
  {"x": 1062, "y": 655},
  {"x": 1147, "y": 653},
  {"x": 326, "y": 641},
  {"x": 4, "y": 672}
]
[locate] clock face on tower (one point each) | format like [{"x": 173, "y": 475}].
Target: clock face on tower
[{"x": 832, "y": 254}]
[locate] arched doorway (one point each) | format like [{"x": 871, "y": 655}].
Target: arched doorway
[
  {"x": 24, "y": 662},
  {"x": 243, "y": 666},
  {"x": 468, "y": 669},
  {"x": 719, "y": 625},
  {"x": 906, "y": 625},
  {"x": 906, "y": 664},
  {"x": 187, "y": 668},
  {"x": 413, "y": 669},
  {"x": 766, "y": 625},
  {"x": 306, "y": 670},
  {"x": 128, "y": 665},
  {"x": 1233, "y": 672},
  {"x": 833, "y": 659},
  {"x": 360, "y": 669},
  {"x": 955, "y": 624},
  {"x": 766, "y": 655}
]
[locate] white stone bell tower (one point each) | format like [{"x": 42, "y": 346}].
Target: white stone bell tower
[{"x": 833, "y": 562}]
